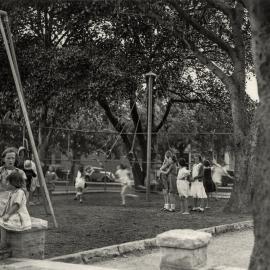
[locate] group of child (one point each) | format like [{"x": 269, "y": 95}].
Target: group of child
[
  {"x": 196, "y": 184},
  {"x": 123, "y": 176},
  {"x": 18, "y": 181}
]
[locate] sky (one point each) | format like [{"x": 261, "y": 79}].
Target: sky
[{"x": 252, "y": 88}]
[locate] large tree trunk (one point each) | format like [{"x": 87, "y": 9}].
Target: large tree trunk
[
  {"x": 260, "y": 22},
  {"x": 243, "y": 190}
]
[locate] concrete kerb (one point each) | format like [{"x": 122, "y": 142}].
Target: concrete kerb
[{"x": 93, "y": 255}]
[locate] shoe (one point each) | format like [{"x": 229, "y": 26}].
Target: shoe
[
  {"x": 75, "y": 199},
  {"x": 171, "y": 210},
  {"x": 201, "y": 209},
  {"x": 207, "y": 207},
  {"x": 195, "y": 209},
  {"x": 81, "y": 201},
  {"x": 185, "y": 213}
]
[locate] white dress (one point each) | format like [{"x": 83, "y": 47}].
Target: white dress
[
  {"x": 123, "y": 176},
  {"x": 182, "y": 183},
  {"x": 80, "y": 181},
  {"x": 19, "y": 221},
  {"x": 197, "y": 189}
]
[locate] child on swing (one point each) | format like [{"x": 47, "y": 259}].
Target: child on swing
[
  {"x": 15, "y": 216},
  {"x": 123, "y": 174}
]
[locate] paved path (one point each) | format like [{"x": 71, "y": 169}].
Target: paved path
[{"x": 230, "y": 249}]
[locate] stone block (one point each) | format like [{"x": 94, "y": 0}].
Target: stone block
[
  {"x": 184, "y": 259},
  {"x": 183, "y": 239},
  {"x": 29, "y": 243},
  {"x": 183, "y": 249}
]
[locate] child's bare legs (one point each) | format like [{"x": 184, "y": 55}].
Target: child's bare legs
[
  {"x": 123, "y": 194},
  {"x": 208, "y": 200},
  {"x": 165, "y": 192},
  {"x": 185, "y": 205},
  {"x": 37, "y": 193},
  {"x": 166, "y": 199},
  {"x": 3, "y": 243},
  {"x": 181, "y": 204},
  {"x": 195, "y": 204},
  {"x": 79, "y": 195},
  {"x": 172, "y": 201},
  {"x": 202, "y": 204},
  {"x": 50, "y": 193}
]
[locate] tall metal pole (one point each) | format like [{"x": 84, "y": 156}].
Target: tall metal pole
[
  {"x": 149, "y": 78},
  {"x": 25, "y": 114}
]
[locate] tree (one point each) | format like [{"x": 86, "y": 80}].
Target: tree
[
  {"x": 104, "y": 61},
  {"x": 217, "y": 33},
  {"x": 260, "y": 22}
]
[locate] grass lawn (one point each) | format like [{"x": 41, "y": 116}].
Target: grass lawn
[{"x": 102, "y": 221}]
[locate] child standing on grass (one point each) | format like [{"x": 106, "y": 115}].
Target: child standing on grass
[
  {"x": 30, "y": 174},
  {"x": 208, "y": 182},
  {"x": 80, "y": 184},
  {"x": 15, "y": 216},
  {"x": 197, "y": 189},
  {"x": 50, "y": 178},
  {"x": 164, "y": 177},
  {"x": 123, "y": 175},
  {"x": 183, "y": 186}
]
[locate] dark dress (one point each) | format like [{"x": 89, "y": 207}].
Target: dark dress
[{"x": 208, "y": 182}]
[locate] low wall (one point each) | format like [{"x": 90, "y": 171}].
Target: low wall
[{"x": 93, "y": 255}]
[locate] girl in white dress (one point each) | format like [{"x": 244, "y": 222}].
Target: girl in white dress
[
  {"x": 123, "y": 175},
  {"x": 197, "y": 189},
  {"x": 183, "y": 186},
  {"x": 80, "y": 184},
  {"x": 15, "y": 216}
]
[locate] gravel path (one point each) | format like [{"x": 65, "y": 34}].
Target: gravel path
[{"x": 230, "y": 249}]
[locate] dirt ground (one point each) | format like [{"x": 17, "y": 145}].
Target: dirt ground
[{"x": 102, "y": 221}]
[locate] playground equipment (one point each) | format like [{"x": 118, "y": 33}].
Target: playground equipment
[{"x": 8, "y": 43}]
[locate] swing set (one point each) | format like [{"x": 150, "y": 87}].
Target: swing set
[{"x": 9, "y": 47}]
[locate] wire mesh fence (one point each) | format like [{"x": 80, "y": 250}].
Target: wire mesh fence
[{"x": 67, "y": 149}]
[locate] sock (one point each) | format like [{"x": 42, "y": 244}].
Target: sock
[
  {"x": 173, "y": 206},
  {"x": 166, "y": 206}
]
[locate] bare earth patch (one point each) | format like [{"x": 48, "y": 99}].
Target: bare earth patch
[{"x": 102, "y": 221}]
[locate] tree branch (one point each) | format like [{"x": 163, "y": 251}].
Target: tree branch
[
  {"x": 165, "y": 116},
  {"x": 196, "y": 25},
  {"x": 114, "y": 121},
  {"x": 204, "y": 60}
]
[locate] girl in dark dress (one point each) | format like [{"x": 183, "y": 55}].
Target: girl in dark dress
[{"x": 208, "y": 182}]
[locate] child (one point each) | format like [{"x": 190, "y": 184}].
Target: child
[
  {"x": 15, "y": 216},
  {"x": 80, "y": 184},
  {"x": 50, "y": 178},
  {"x": 183, "y": 186},
  {"x": 10, "y": 159},
  {"x": 164, "y": 173},
  {"x": 208, "y": 182},
  {"x": 30, "y": 174},
  {"x": 166, "y": 162},
  {"x": 123, "y": 174},
  {"x": 197, "y": 189}
]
